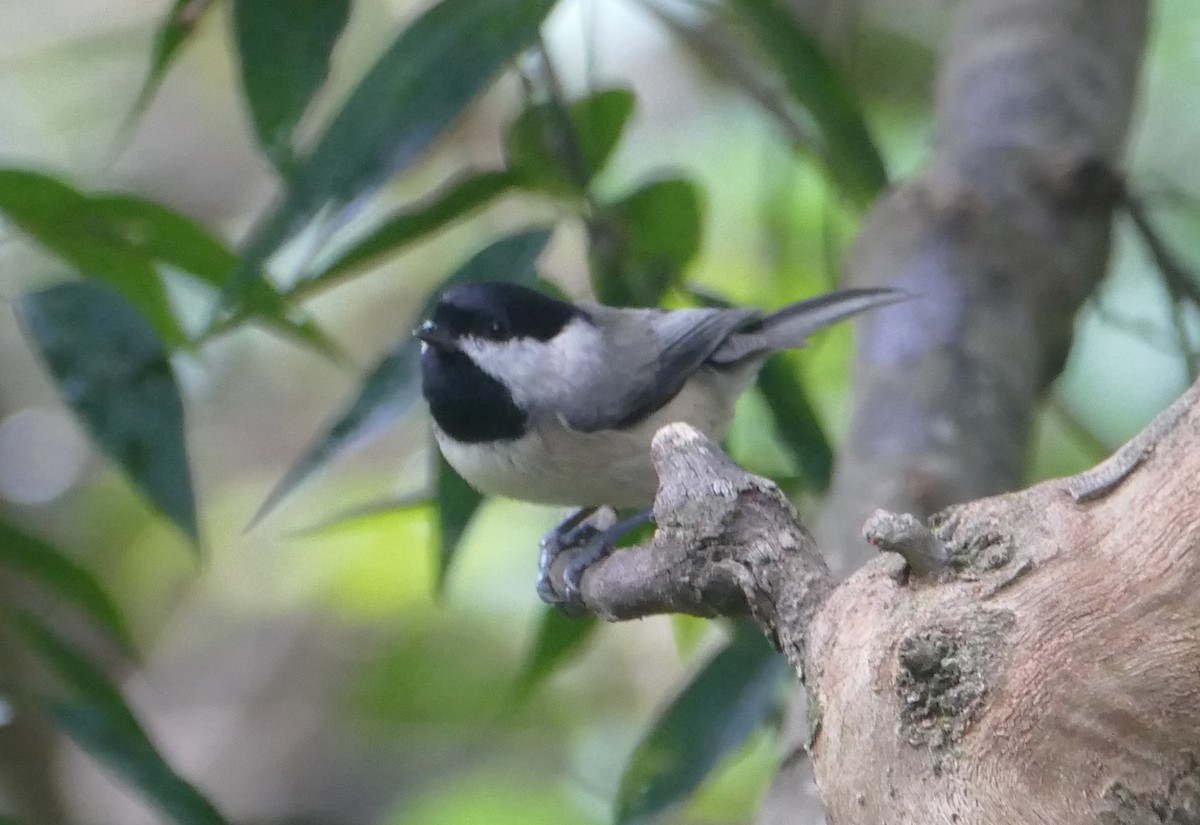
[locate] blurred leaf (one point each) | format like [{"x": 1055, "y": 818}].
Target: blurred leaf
[
  {"x": 712, "y": 717},
  {"x": 392, "y": 386},
  {"x": 457, "y": 199},
  {"x": 76, "y": 225},
  {"x": 561, "y": 154},
  {"x": 640, "y": 245},
  {"x": 510, "y": 258},
  {"x": 387, "y": 393},
  {"x": 364, "y": 514},
  {"x": 559, "y": 638},
  {"x": 689, "y": 631},
  {"x": 797, "y": 423},
  {"x": 78, "y": 672},
  {"x": 101, "y": 722},
  {"x": 133, "y": 757},
  {"x": 64, "y": 221},
  {"x": 850, "y": 152},
  {"x": 415, "y": 90},
  {"x": 165, "y": 235},
  {"x": 112, "y": 370},
  {"x": 121, "y": 239},
  {"x": 509, "y": 796},
  {"x": 177, "y": 26},
  {"x": 38, "y": 559},
  {"x": 284, "y": 48},
  {"x": 457, "y": 503}
]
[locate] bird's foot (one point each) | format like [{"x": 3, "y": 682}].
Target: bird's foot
[{"x": 583, "y": 538}]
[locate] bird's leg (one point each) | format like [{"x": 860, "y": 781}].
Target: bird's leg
[
  {"x": 560, "y": 537},
  {"x": 585, "y": 545}
]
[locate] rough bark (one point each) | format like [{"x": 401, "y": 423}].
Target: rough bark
[
  {"x": 1030, "y": 657},
  {"x": 1050, "y": 672}
]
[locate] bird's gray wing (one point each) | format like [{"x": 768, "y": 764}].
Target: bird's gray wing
[{"x": 649, "y": 356}]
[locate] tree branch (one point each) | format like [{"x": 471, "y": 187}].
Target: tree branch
[{"x": 728, "y": 543}]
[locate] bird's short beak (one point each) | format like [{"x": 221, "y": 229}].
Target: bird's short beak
[{"x": 431, "y": 334}]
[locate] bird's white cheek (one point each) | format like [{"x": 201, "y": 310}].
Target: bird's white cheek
[
  {"x": 511, "y": 362},
  {"x": 526, "y": 367}
]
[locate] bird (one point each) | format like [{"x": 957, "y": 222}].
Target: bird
[{"x": 556, "y": 402}]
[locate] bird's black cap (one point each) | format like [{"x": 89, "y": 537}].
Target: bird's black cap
[{"x": 500, "y": 311}]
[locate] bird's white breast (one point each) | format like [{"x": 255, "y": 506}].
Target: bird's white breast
[{"x": 554, "y": 464}]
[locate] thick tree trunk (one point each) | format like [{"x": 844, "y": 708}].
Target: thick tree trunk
[{"x": 1049, "y": 672}]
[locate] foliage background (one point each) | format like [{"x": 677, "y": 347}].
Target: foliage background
[{"x": 315, "y": 674}]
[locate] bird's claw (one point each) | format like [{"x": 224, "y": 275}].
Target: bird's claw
[
  {"x": 584, "y": 538},
  {"x": 574, "y": 534},
  {"x": 579, "y": 558}
]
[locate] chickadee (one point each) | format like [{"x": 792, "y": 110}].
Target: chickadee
[{"x": 548, "y": 401}]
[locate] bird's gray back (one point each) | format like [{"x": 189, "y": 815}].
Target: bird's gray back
[{"x": 645, "y": 358}]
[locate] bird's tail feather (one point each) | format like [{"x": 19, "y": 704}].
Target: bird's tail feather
[{"x": 790, "y": 326}]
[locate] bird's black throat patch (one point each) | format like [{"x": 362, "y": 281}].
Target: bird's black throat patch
[{"x": 467, "y": 403}]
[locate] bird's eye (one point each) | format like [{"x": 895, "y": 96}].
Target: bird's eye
[{"x": 495, "y": 329}]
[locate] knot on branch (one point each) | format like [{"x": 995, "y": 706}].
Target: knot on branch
[{"x": 904, "y": 534}]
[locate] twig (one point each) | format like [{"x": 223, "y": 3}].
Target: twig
[
  {"x": 1181, "y": 283},
  {"x": 1107, "y": 475}
]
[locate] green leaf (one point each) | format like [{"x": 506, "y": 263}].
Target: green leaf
[
  {"x": 164, "y": 235},
  {"x": 78, "y": 672},
  {"x": 452, "y": 202},
  {"x": 57, "y": 215},
  {"x": 122, "y": 240},
  {"x": 168, "y": 237},
  {"x": 640, "y": 245},
  {"x": 849, "y": 151},
  {"x": 112, "y": 370},
  {"x": 417, "y": 88},
  {"x": 560, "y": 154},
  {"x": 388, "y": 391},
  {"x": 101, "y": 722},
  {"x": 284, "y": 48},
  {"x": 559, "y": 638},
  {"x": 391, "y": 388},
  {"x": 717, "y": 711},
  {"x": 511, "y": 258},
  {"x": 135, "y": 759},
  {"x": 38, "y": 559},
  {"x": 177, "y": 26},
  {"x": 457, "y": 503},
  {"x": 365, "y": 513},
  {"x": 66, "y": 223},
  {"x": 797, "y": 423}
]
